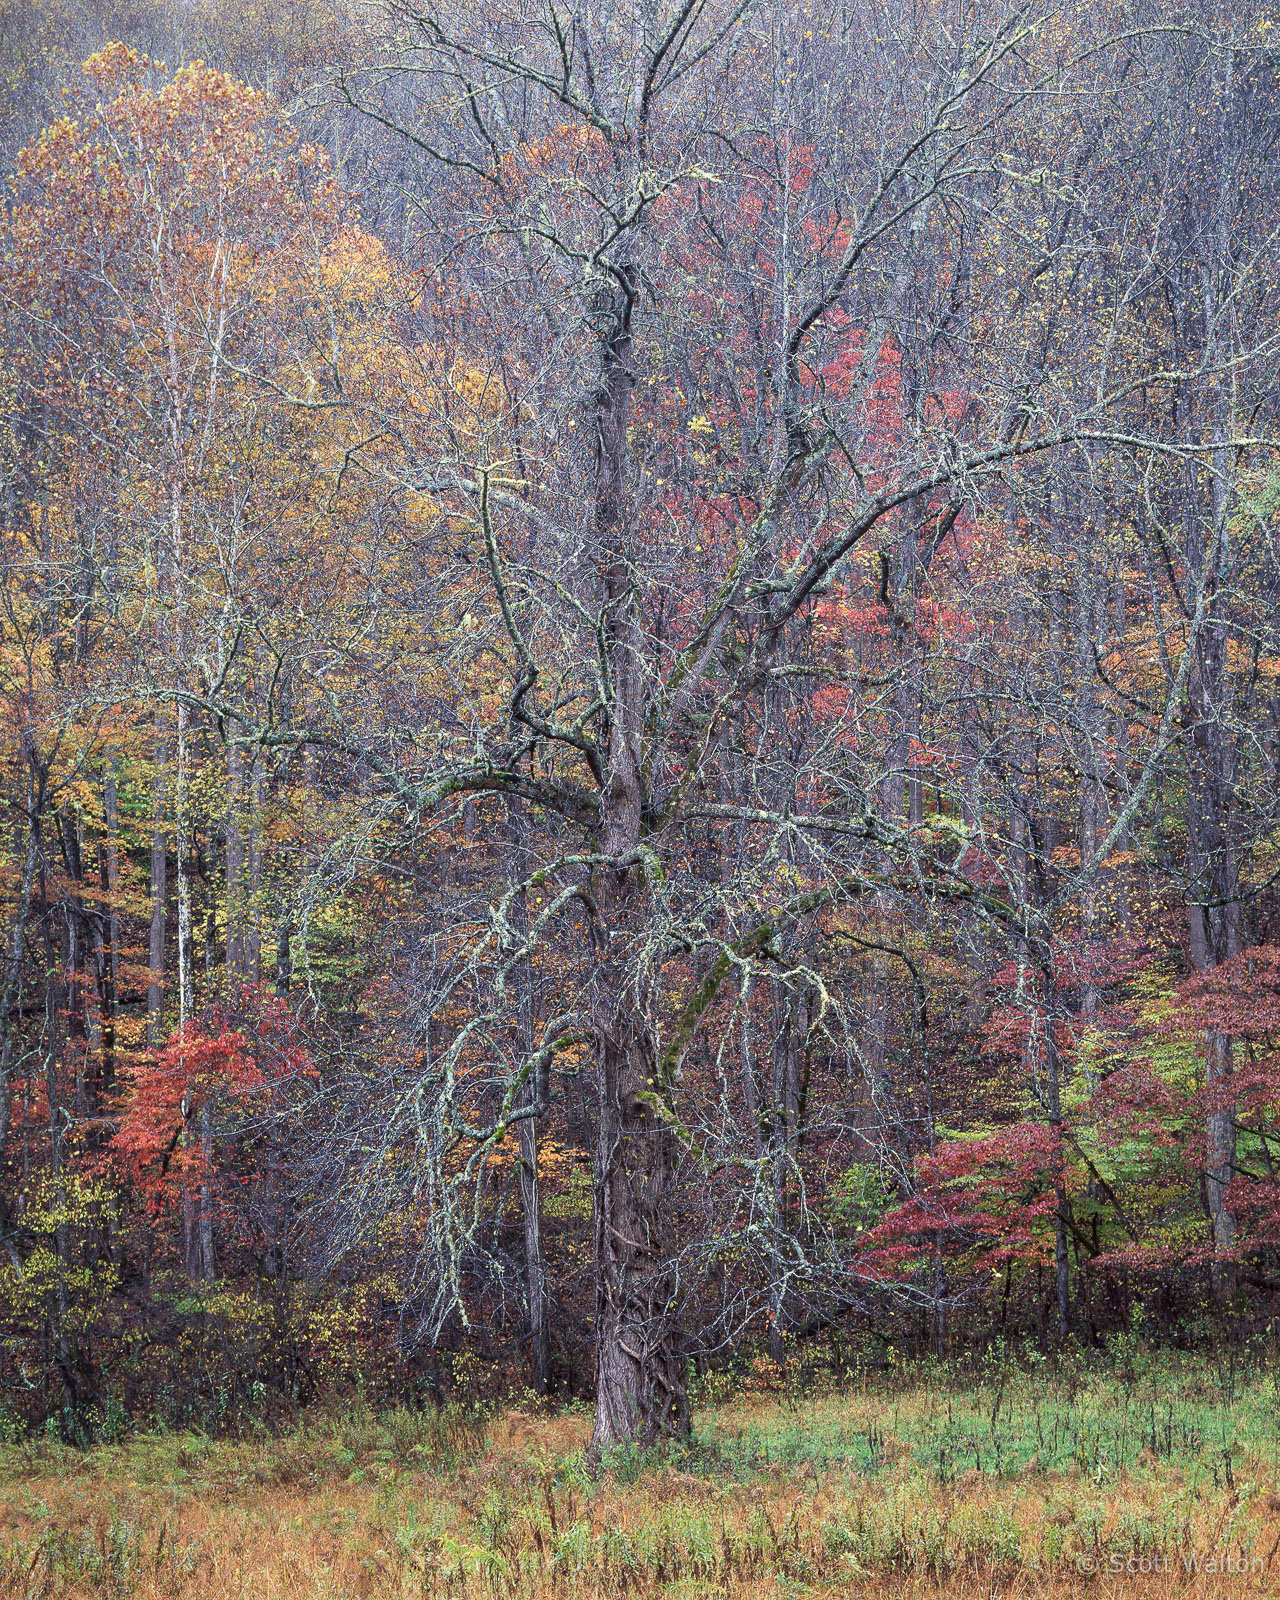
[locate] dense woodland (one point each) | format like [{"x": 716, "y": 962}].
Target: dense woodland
[{"x": 640, "y": 663}]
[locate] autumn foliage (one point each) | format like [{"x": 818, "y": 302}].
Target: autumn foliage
[{"x": 620, "y": 742}]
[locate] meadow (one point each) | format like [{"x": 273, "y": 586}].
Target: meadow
[{"x": 1143, "y": 1475}]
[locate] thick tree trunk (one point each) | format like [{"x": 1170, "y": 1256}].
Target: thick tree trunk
[
  {"x": 641, "y": 1385},
  {"x": 641, "y": 1382}
]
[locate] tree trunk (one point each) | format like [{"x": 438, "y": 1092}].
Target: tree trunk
[
  {"x": 284, "y": 953},
  {"x": 535, "y": 1268},
  {"x": 1041, "y": 1060},
  {"x": 253, "y": 869},
  {"x": 641, "y": 1384},
  {"x": 527, "y": 1127},
  {"x": 1214, "y": 923},
  {"x": 106, "y": 959},
  {"x": 235, "y": 864},
  {"x": 159, "y": 895},
  {"x": 181, "y": 851},
  {"x": 12, "y": 991},
  {"x": 1062, "y": 1211},
  {"x": 207, "y": 1265},
  {"x": 791, "y": 1011},
  {"x": 641, "y": 1381},
  {"x": 111, "y": 816}
]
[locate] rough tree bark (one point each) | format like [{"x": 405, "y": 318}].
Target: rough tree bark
[{"x": 641, "y": 1389}]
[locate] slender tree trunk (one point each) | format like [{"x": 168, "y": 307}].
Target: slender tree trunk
[
  {"x": 235, "y": 864},
  {"x": 1214, "y": 905},
  {"x": 197, "y": 1212},
  {"x": 284, "y": 953},
  {"x": 1042, "y": 1062},
  {"x": 1062, "y": 1212},
  {"x": 253, "y": 869},
  {"x": 181, "y": 851},
  {"x": 789, "y": 1038},
  {"x": 75, "y": 962},
  {"x": 12, "y": 991},
  {"x": 159, "y": 897},
  {"x": 527, "y": 1129},
  {"x": 111, "y": 816},
  {"x": 1206, "y": 409},
  {"x": 207, "y": 1266},
  {"x": 109, "y": 922},
  {"x": 244, "y": 867},
  {"x": 535, "y": 1267},
  {"x": 105, "y": 954},
  {"x": 66, "y": 1354}
]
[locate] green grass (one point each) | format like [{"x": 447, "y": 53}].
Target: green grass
[
  {"x": 1095, "y": 1420},
  {"x": 327, "y": 1445}
]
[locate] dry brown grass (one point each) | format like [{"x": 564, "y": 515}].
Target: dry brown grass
[{"x": 367, "y": 1509}]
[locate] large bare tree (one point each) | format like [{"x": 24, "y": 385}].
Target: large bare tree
[{"x": 719, "y": 297}]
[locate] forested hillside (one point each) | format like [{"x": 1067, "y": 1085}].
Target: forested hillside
[{"x": 639, "y": 695}]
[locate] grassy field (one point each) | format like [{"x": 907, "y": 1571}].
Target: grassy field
[{"x": 1161, "y": 1479}]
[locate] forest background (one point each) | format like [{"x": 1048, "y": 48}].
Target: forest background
[{"x": 641, "y": 671}]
